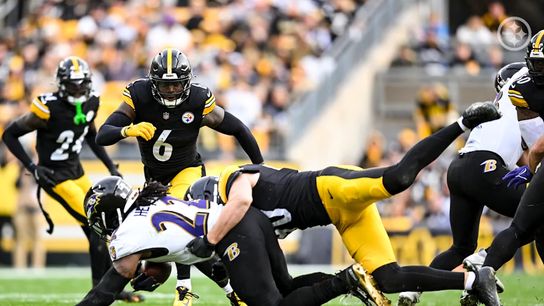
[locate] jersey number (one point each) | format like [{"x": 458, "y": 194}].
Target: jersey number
[
  {"x": 196, "y": 227},
  {"x": 66, "y": 138},
  {"x": 160, "y": 143}
]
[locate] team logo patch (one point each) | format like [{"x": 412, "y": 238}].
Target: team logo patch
[
  {"x": 489, "y": 165},
  {"x": 90, "y": 116},
  {"x": 166, "y": 115},
  {"x": 232, "y": 251},
  {"x": 188, "y": 117},
  {"x": 113, "y": 253}
]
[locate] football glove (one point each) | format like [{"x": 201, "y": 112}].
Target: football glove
[
  {"x": 201, "y": 247},
  {"x": 219, "y": 274},
  {"x": 145, "y": 130},
  {"x": 518, "y": 176},
  {"x": 144, "y": 282},
  {"x": 42, "y": 175}
]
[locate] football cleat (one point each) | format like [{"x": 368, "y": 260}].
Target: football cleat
[
  {"x": 361, "y": 285},
  {"x": 408, "y": 298},
  {"x": 235, "y": 300},
  {"x": 468, "y": 298},
  {"x": 129, "y": 297},
  {"x": 184, "y": 297},
  {"x": 485, "y": 288},
  {"x": 478, "y": 113},
  {"x": 475, "y": 261}
]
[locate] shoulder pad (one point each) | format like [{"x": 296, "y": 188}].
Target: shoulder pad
[
  {"x": 127, "y": 97},
  {"x": 515, "y": 95},
  {"x": 227, "y": 176},
  {"x": 205, "y": 94},
  {"x": 39, "y": 105}
]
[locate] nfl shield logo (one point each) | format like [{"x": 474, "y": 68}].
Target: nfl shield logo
[{"x": 165, "y": 115}]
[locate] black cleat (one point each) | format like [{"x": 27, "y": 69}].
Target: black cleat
[
  {"x": 478, "y": 113},
  {"x": 361, "y": 285},
  {"x": 486, "y": 287}
]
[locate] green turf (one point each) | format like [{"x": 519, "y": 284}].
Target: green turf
[{"x": 68, "y": 286}]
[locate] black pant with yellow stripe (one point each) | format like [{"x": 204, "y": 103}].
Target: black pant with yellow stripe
[
  {"x": 348, "y": 195},
  {"x": 71, "y": 194}
]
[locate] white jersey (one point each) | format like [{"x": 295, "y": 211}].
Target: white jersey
[
  {"x": 531, "y": 130},
  {"x": 166, "y": 228},
  {"x": 501, "y": 136}
]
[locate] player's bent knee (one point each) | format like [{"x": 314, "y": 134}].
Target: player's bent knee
[
  {"x": 389, "y": 278},
  {"x": 399, "y": 178}
]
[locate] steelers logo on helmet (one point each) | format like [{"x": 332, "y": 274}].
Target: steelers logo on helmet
[
  {"x": 535, "y": 58},
  {"x": 74, "y": 80},
  {"x": 170, "y": 75}
]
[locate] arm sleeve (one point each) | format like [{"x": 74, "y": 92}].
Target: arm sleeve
[
  {"x": 104, "y": 293},
  {"x": 11, "y": 139},
  {"x": 110, "y": 132},
  {"x": 233, "y": 126},
  {"x": 98, "y": 150}
]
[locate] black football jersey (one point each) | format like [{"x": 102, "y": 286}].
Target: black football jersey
[
  {"x": 525, "y": 94},
  {"x": 289, "y": 198},
  {"x": 173, "y": 147},
  {"x": 60, "y": 142}
]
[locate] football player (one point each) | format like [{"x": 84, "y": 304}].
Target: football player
[
  {"x": 528, "y": 90},
  {"x": 530, "y": 212},
  {"x": 154, "y": 226},
  {"x": 165, "y": 112},
  {"x": 475, "y": 178},
  {"x": 63, "y": 120},
  {"x": 344, "y": 197}
]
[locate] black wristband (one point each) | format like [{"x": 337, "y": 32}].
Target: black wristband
[{"x": 208, "y": 243}]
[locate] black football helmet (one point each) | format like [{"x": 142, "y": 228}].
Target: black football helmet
[
  {"x": 107, "y": 204},
  {"x": 535, "y": 58},
  {"x": 505, "y": 73},
  {"x": 205, "y": 188},
  {"x": 74, "y": 80},
  {"x": 170, "y": 75}
]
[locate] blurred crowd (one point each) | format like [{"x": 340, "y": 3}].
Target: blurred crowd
[
  {"x": 257, "y": 56},
  {"x": 473, "y": 46}
]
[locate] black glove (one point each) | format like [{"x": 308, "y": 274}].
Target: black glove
[
  {"x": 201, "y": 247},
  {"x": 219, "y": 273},
  {"x": 144, "y": 282},
  {"x": 42, "y": 175},
  {"x": 115, "y": 171}
]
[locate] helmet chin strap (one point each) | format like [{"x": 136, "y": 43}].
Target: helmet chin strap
[{"x": 80, "y": 117}]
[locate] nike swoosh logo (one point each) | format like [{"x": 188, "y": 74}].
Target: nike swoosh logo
[{"x": 330, "y": 194}]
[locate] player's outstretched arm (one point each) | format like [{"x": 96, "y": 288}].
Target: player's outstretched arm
[
  {"x": 239, "y": 200},
  {"x": 100, "y": 152},
  {"x": 226, "y": 123},
  {"x": 17, "y": 128},
  {"x": 113, "y": 281},
  {"x": 110, "y": 132}
]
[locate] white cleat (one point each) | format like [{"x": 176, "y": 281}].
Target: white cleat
[
  {"x": 408, "y": 298},
  {"x": 475, "y": 261}
]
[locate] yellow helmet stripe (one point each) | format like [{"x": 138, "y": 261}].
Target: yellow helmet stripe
[
  {"x": 75, "y": 63},
  {"x": 169, "y": 60},
  {"x": 538, "y": 40}
]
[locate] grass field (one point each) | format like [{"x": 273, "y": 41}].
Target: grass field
[{"x": 67, "y": 286}]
